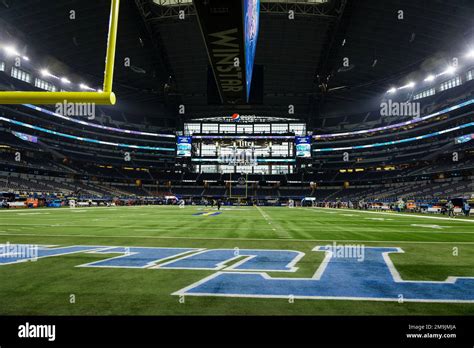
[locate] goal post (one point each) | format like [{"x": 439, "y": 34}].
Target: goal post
[
  {"x": 242, "y": 192},
  {"x": 106, "y": 97}
]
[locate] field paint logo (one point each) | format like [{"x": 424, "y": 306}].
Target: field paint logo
[
  {"x": 370, "y": 275},
  {"x": 208, "y": 213},
  {"x": 37, "y": 331},
  {"x": 374, "y": 279}
]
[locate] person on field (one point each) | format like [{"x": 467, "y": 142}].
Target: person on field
[
  {"x": 450, "y": 207},
  {"x": 219, "y": 203},
  {"x": 467, "y": 208}
]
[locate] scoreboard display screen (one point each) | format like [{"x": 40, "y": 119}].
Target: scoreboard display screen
[
  {"x": 303, "y": 147},
  {"x": 184, "y": 146}
]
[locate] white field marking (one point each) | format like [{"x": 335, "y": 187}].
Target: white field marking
[
  {"x": 225, "y": 264},
  {"x": 279, "y": 230},
  {"x": 437, "y": 227},
  {"x": 184, "y": 292},
  {"x": 348, "y": 214},
  {"x": 224, "y": 238},
  {"x": 399, "y": 214},
  {"x": 398, "y": 279},
  {"x": 67, "y": 224},
  {"x": 303, "y": 229},
  {"x": 148, "y": 265},
  {"x": 87, "y": 208},
  {"x": 379, "y": 219},
  {"x": 38, "y": 213}
]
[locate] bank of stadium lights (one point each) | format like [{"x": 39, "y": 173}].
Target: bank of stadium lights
[
  {"x": 11, "y": 51},
  {"x": 411, "y": 84},
  {"x": 430, "y": 78},
  {"x": 86, "y": 87},
  {"x": 449, "y": 71}
]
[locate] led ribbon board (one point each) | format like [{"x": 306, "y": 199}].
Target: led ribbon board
[
  {"x": 230, "y": 30},
  {"x": 396, "y": 142},
  {"x": 96, "y": 125},
  {"x": 87, "y": 140},
  {"x": 396, "y": 125}
]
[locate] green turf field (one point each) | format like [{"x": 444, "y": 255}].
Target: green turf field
[{"x": 435, "y": 248}]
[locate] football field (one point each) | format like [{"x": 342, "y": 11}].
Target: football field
[{"x": 163, "y": 260}]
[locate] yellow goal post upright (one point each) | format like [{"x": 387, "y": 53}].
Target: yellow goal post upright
[
  {"x": 239, "y": 197},
  {"x": 106, "y": 97}
]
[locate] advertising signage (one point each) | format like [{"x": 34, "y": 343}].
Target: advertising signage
[{"x": 230, "y": 31}]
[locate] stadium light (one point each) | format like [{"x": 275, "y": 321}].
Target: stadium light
[
  {"x": 11, "y": 51},
  {"x": 392, "y": 90},
  {"x": 449, "y": 70},
  {"x": 65, "y": 80},
  {"x": 411, "y": 84},
  {"x": 45, "y": 73},
  {"x": 83, "y": 86},
  {"x": 430, "y": 78},
  {"x": 26, "y": 58},
  {"x": 470, "y": 54}
]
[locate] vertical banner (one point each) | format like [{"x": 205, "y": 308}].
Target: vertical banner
[
  {"x": 230, "y": 30},
  {"x": 251, "y": 30}
]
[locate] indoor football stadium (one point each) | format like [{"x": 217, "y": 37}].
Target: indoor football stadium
[{"x": 310, "y": 159}]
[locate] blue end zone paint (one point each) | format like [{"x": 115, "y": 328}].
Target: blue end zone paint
[
  {"x": 208, "y": 213},
  {"x": 256, "y": 260},
  {"x": 137, "y": 257},
  {"x": 338, "y": 278},
  {"x": 27, "y": 252}
]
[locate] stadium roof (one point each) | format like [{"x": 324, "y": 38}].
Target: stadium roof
[{"x": 302, "y": 58}]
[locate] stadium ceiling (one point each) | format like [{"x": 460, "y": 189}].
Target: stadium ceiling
[{"x": 302, "y": 58}]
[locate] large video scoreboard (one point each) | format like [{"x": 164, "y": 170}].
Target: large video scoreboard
[{"x": 249, "y": 145}]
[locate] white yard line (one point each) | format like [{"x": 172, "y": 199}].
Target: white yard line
[
  {"x": 399, "y": 215},
  {"x": 275, "y": 226},
  {"x": 224, "y": 238}
]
